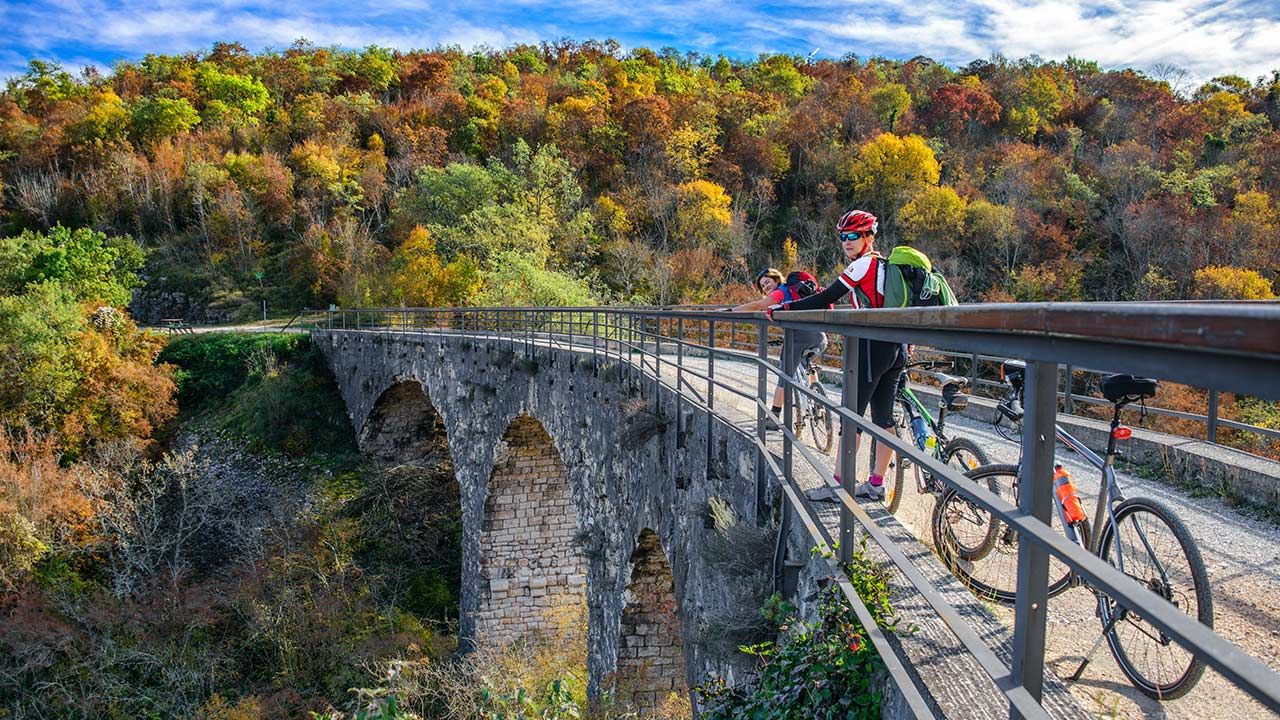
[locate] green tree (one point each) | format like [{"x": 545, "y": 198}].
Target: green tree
[
  {"x": 157, "y": 117},
  {"x": 890, "y": 102},
  {"x": 230, "y": 97},
  {"x": 87, "y": 263}
]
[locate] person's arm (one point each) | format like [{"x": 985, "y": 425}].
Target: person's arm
[
  {"x": 760, "y": 304},
  {"x": 817, "y": 301}
]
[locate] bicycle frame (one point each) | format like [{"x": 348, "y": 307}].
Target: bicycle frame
[{"x": 1109, "y": 493}]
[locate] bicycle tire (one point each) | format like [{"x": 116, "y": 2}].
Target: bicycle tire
[
  {"x": 1180, "y": 596},
  {"x": 1006, "y": 427},
  {"x": 893, "y": 488},
  {"x": 821, "y": 425},
  {"x": 957, "y": 447},
  {"x": 986, "y": 559}
]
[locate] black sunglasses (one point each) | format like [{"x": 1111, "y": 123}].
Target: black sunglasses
[{"x": 853, "y": 235}]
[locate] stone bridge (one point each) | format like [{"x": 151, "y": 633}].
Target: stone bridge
[
  {"x": 587, "y": 481},
  {"x": 577, "y": 487}
]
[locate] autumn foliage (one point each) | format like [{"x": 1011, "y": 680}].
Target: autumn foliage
[{"x": 297, "y": 176}]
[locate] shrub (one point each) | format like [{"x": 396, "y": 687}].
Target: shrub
[{"x": 822, "y": 669}]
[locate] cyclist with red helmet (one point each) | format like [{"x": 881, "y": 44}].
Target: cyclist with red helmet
[{"x": 882, "y": 362}]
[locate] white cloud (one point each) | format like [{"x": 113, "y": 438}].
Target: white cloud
[{"x": 1206, "y": 37}]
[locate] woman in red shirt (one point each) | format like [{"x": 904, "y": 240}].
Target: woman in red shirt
[{"x": 882, "y": 362}]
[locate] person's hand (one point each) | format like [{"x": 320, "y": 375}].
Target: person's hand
[{"x": 768, "y": 312}]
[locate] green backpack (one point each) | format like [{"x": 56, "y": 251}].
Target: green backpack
[{"x": 911, "y": 281}]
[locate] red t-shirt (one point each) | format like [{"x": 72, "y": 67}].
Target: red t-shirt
[{"x": 865, "y": 274}]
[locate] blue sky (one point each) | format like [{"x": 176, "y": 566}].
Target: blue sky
[{"x": 1203, "y": 37}]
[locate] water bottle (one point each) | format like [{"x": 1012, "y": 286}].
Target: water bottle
[
  {"x": 919, "y": 431},
  {"x": 1067, "y": 495}
]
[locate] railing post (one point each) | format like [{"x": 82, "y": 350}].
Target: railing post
[
  {"x": 973, "y": 373},
  {"x": 1212, "y": 433},
  {"x": 1068, "y": 403},
  {"x": 1034, "y": 498},
  {"x": 762, "y": 395},
  {"x": 788, "y": 407},
  {"x": 850, "y": 357},
  {"x": 711, "y": 371},
  {"x": 657, "y": 361},
  {"x": 711, "y": 387}
]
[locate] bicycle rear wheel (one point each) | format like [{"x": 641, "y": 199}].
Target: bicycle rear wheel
[
  {"x": 1150, "y": 544},
  {"x": 962, "y": 455},
  {"x": 981, "y": 550},
  {"x": 820, "y": 421}
]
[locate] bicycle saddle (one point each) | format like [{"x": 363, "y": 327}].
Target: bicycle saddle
[
  {"x": 951, "y": 380},
  {"x": 1127, "y": 388}
]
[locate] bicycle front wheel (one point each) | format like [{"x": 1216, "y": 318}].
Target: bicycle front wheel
[
  {"x": 893, "y": 488},
  {"x": 820, "y": 422},
  {"x": 981, "y": 550},
  {"x": 1006, "y": 426},
  {"x": 1150, "y": 544}
]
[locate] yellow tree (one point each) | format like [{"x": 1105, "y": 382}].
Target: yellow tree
[
  {"x": 933, "y": 219},
  {"x": 702, "y": 213},
  {"x": 1231, "y": 283},
  {"x": 420, "y": 279},
  {"x": 887, "y": 170},
  {"x": 1252, "y": 232}
]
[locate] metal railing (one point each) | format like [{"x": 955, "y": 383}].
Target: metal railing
[
  {"x": 1228, "y": 347},
  {"x": 1067, "y": 395}
]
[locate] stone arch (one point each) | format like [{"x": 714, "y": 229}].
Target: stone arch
[
  {"x": 403, "y": 425},
  {"x": 414, "y": 486},
  {"x": 651, "y": 659},
  {"x": 532, "y": 568}
]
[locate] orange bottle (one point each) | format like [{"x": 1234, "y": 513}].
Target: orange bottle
[{"x": 1066, "y": 490}]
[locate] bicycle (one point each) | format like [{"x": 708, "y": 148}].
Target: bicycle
[
  {"x": 814, "y": 414},
  {"x": 1139, "y": 536},
  {"x": 1008, "y": 413},
  {"x": 911, "y": 416},
  {"x": 806, "y": 411}
]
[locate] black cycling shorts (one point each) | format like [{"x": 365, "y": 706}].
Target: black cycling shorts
[{"x": 879, "y": 368}]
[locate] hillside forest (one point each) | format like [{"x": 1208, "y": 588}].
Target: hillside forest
[
  {"x": 575, "y": 173},
  {"x": 186, "y": 527}
]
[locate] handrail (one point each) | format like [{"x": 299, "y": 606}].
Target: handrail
[
  {"x": 1070, "y": 397},
  {"x": 1228, "y": 346}
]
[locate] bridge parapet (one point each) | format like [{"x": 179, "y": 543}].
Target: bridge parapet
[{"x": 1226, "y": 346}]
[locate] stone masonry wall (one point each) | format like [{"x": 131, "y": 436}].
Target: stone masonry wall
[
  {"x": 651, "y": 663},
  {"x": 529, "y": 562},
  {"x": 403, "y": 426},
  {"x": 632, "y": 457}
]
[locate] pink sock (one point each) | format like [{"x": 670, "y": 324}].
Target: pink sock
[{"x": 876, "y": 480}]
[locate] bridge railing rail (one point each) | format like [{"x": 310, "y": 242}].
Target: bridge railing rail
[{"x": 1233, "y": 347}]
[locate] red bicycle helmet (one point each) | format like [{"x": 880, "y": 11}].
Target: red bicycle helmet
[{"x": 859, "y": 221}]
